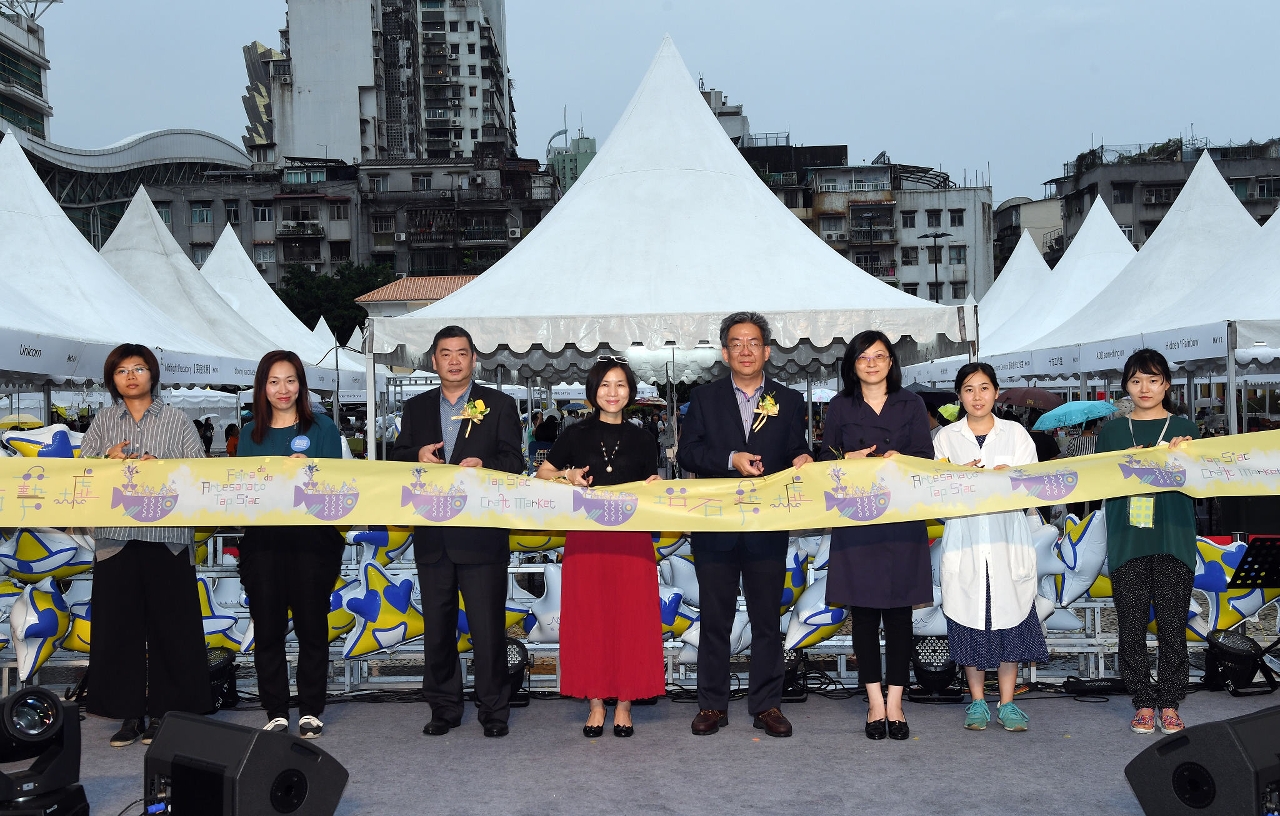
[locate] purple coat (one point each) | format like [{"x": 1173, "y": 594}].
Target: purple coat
[{"x": 881, "y": 566}]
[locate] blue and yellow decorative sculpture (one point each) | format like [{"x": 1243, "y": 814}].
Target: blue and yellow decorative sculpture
[
  {"x": 33, "y": 553},
  {"x": 384, "y": 612},
  {"x": 38, "y": 621}
]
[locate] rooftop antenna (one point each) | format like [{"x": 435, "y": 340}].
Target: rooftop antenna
[
  {"x": 702, "y": 86},
  {"x": 32, "y": 9},
  {"x": 565, "y": 131}
]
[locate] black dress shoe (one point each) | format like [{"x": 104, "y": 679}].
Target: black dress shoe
[
  {"x": 496, "y": 729},
  {"x": 152, "y": 727},
  {"x": 898, "y": 730},
  {"x": 623, "y": 730},
  {"x": 438, "y": 727},
  {"x": 592, "y": 731},
  {"x": 128, "y": 734},
  {"x": 877, "y": 730}
]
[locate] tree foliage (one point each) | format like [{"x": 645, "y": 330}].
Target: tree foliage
[{"x": 312, "y": 295}]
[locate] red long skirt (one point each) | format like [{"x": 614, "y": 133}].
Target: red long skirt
[{"x": 610, "y": 623}]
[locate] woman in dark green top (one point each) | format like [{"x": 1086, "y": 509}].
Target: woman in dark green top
[
  {"x": 1151, "y": 548},
  {"x": 289, "y": 568}
]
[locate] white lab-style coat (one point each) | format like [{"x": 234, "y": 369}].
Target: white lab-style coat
[{"x": 998, "y": 544}]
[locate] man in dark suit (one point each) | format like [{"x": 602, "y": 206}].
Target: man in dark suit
[
  {"x": 743, "y": 426},
  {"x": 473, "y": 559}
]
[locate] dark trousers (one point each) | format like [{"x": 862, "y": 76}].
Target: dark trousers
[
  {"x": 897, "y": 644},
  {"x": 484, "y": 592},
  {"x": 283, "y": 569},
  {"x": 762, "y": 576},
  {"x": 1164, "y": 583},
  {"x": 147, "y": 653}
]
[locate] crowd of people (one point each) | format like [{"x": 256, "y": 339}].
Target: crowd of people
[{"x": 148, "y": 654}]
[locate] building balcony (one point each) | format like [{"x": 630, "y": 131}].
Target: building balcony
[
  {"x": 483, "y": 194},
  {"x": 881, "y": 269},
  {"x": 299, "y": 229},
  {"x": 484, "y": 235},
  {"x": 874, "y": 235},
  {"x": 423, "y": 239},
  {"x": 781, "y": 179}
]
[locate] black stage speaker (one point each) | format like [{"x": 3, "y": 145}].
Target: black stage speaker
[
  {"x": 1225, "y": 768},
  {"x": 202, "y": 767}
]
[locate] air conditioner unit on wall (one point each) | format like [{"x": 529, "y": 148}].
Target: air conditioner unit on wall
[
  {"x": 262, "y": 267},
  {"x": 455, "y": 144},
  {"x": 513, "y": 232},
  {"x": 400, "y": 237},
  {"x": 455, "y": 122},
  {"x": 286, "y": 80},
  {"x": 477, "y": 179}
]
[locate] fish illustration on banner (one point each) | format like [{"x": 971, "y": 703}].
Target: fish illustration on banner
[
  {"x": 1048, "y": 486},
  {"x": 605, "y": 507},
  {"x": 812, "y": 620},
  {"x": 53, "y": 442},
  {"x": 32, "y": 554},
  {"x": 384, "y": 611},
  {"x": 323, "y": 500},
  {"x": 856, "y": 503},
  {"x": 1150, "y": 472},
  {"x": 143, "y": 503},
  {"x": 432, "y": 502},
  {"x": 38, "y": 621}
]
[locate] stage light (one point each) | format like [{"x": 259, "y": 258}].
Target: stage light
[
  {"x": 35, "y": 724},
  {"x": 518, "y": 663},
  {"x": 935, "y": 672},
  {"x": 1231, "y": 662}
]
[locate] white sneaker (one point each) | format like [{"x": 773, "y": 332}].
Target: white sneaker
[
  {"x": 277, "y": 724},
  {"x": 310, "y": 727}
]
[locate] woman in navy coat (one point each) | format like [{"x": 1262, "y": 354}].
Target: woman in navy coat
[{"x": 879, "y": 571}]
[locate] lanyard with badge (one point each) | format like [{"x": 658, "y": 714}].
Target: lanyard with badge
[{"x": 1142, "y": 509}]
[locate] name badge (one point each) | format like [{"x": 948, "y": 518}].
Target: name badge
[{"x": 299, "y": 444}]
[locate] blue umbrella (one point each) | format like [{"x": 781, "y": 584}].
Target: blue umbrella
[
  {"x": 576, "y": 406},
  {"x": 1074, "y": 413}
]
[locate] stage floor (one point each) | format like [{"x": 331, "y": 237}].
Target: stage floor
[{"x": 1070, "y": 762}]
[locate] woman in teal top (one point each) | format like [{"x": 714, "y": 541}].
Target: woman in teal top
[
  {"x": 295, "y": 567},
  {"x": 1151, "y": 547}
]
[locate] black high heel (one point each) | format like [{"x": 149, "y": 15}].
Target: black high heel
[
  {"x": 898, "y": 730},
  {"x": 877, "y": 729},
  {"x": 623, "y": 730},
  {"x": 592, "y": 731}
]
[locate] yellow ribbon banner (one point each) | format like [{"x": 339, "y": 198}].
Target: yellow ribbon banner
[{"x": 268, "y": 490}]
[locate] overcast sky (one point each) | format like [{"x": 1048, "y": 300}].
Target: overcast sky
[{"x": 1021, "y": 86}]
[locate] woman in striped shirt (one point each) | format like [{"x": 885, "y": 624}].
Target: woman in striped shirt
[{"x": 147, "y": 655}]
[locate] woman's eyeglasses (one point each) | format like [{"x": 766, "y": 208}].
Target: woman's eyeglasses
[
  {"x": 136, "y": 371},
  {"x": 868, "y": 359}
]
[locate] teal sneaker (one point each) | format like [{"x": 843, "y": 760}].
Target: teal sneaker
[
  {"x": 1011, "y": 717},
  {"x": 977, "y": 715}
]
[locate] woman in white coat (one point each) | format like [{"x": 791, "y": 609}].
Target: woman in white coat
[{"x": 989, "y": 561}]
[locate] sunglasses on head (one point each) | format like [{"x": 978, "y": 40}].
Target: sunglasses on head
[{"x": 608, "y": 358}]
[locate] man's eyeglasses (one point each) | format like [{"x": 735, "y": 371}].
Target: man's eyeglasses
[
  {"x": 608, "y": 358},
  {"x": 738, "y": 345},
  {"x": 136, "y": 371},
  {"x": 868, "y": 359}
]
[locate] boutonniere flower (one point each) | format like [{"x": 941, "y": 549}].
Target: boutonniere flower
[
  {"x": 768, "y": 407},
  {"x": 473, "y": 412}
]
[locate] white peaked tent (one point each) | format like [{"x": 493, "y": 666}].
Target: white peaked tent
[
  {"x": 144, "y": 252},
  {"x": 667, "y": 231},
  {"x": 1204, "y": 225},
  {"x": 1093, "y": 260},
  {"x": 1245, "y": 289},
  {"x": 1021, "y": 286},
  {"x": 57, "y": 286},
  {"x": 239, "y": 283}
]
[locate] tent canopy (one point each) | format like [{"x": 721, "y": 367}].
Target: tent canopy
[
  {"x": 69, "y": 305},
  {"x": 667, "y": 231},
  {"x": 145, "y": 254},
  {"x": 1024, "y": 276},
  {"x": 1204, "y": 225}
]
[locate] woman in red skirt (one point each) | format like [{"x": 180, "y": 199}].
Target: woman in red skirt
[{"x": 610, "y": 624}]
